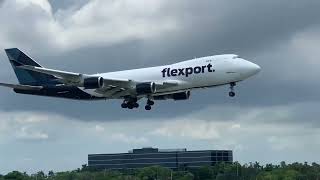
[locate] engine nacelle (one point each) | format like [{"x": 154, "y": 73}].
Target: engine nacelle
[
  {"x": 146, "y": 88},
  {"x": 175, "y": 96},
  {"x": 181, "y": 96},
  {"x": 93, "y": 82}
]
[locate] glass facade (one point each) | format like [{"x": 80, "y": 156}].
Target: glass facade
[{"x": 173, "y": 159}]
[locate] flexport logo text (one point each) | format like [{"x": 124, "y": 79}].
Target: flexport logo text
[{"x": 168, "y": 72}]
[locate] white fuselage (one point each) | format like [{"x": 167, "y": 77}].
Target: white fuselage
[{"x": 207, "y": 71}]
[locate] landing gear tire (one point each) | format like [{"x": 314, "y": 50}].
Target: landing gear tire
[
  {"x": 124, "y": 105},
  {"x": 130, "y": 103},
  {"x": 147, "y": 107},
  {"x": 232, "y": 94},
  {"x": 135, "y": 105},
  {"x": 130, "y": 106},
  {"x": 149, "y": 102}
]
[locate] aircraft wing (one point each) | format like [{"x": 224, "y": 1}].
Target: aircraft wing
[
  {"x": 69, "y": 77},
  {"x": 64, "y": 76},
  {"x": 111, "y": 88}
]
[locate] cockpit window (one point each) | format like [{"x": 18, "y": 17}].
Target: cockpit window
[{"x": 235, "y": 57}]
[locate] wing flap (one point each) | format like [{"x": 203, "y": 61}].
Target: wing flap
[
  {"x": 125, "y": 83},
  {"x": 169, "y": 84}
]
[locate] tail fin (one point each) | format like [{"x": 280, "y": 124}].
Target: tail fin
[{"x": 26, "y": 77}]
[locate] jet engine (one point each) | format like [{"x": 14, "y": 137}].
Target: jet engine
[
  {"x": 93, "y": 82},
  {"x": 181, "y": 96},
  {"x": 146, "y": 88},
  {"x": 176, "y": 96}
]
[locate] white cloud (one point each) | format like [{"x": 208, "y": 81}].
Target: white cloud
[
  {"x": 99, "y": 128},
  {"x": 273, "y": 129},
  {"x": 43, "y": 4},
  {"x": 245, "y": 130},
  {"x": 25, "y": 125},
  {"x": 283, "y": 61},
  {"x": 307, "y": 43},
  {"x": 235, "y": 126},
  {"x": 98, "y": 22},
  {"x": 287, "y": 132},
  {"x": 40, "y": 126},
  {"x": 195, "y": 129},
  {"x": 27, "y": 133},
  {"x": 27, "y": 159},
  {"x": 121, "y": 137}
]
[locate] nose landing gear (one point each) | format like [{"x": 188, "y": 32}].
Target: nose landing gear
[{"x": 232, "y": 93}]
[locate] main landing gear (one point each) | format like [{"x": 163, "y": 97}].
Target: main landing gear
[
  {"x": 131, "y": 103},
  {"x": 149, "y": 104},
  {"x": 232, "y": 93}
]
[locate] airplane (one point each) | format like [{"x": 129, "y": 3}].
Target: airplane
[{"x": 174, "y": 81}]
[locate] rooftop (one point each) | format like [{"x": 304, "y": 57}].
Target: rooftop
[{"x": 154, "y": 150}]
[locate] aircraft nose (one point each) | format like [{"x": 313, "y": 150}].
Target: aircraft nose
[
  {"x": 251, "y": 68},
  {"x": 254, "y": 68}
]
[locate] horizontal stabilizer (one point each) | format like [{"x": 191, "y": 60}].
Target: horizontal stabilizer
[{"x": 21, "y": 87}]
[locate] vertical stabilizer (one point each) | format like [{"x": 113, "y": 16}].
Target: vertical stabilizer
[{"x": 26, "y": 77}]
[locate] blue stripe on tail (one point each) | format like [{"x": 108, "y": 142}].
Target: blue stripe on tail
[{"x": 27, "y": 77}]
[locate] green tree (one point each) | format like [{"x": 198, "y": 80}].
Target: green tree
[
  {"x": 206, "y": 172},
  {"x": 184, "y": 176},
  {"x": 50, "y": 174},
  {"x": 154, "y": 172},
  {"x": 283, "y": 164},
  {"x": 222, "y": 171},
  {"x": 16, "y": 175}
]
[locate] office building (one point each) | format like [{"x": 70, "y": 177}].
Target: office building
[{"x": 170, "y": 158}]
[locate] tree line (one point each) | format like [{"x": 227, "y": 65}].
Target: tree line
[{"x": 222, "y": 171}]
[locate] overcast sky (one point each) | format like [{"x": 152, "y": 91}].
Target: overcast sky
[{"x": 273, "y": 118}]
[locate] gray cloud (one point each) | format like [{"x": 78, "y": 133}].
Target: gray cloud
[
  {"x": 275, "y": 130},
  {"x": 67, "y": 4},
  {"x": 281, "y": 36},
  {"x": 245, "y": 26},
  {"x": 264, "y": 32}
]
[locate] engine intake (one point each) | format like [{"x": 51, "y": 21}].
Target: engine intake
[
  {"x": 146, "y": 88},
  {"x": 93, "y": 82}
]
